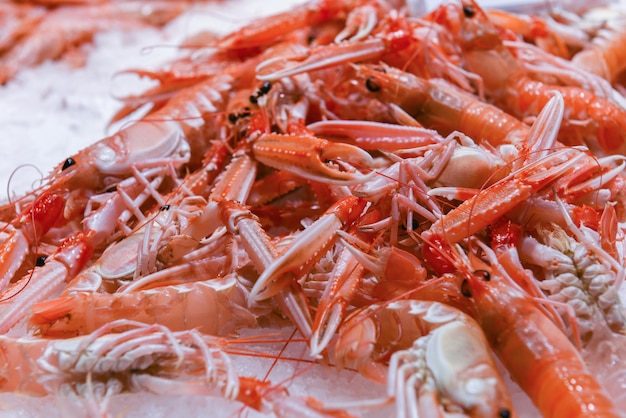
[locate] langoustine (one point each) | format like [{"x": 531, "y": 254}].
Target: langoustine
[{"x": 408, "y": 214}]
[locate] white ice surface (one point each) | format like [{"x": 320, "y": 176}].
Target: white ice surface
[{"x": 50, "y": 112}]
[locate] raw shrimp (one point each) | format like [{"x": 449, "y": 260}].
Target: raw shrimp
[
  {"x": 439, "y": 358},
  {"x": 212, "y": 306},
  {"x": 539, "y": 357},
  {"x": 589, "y": 120},
  {"x": 605, "y": 55}
]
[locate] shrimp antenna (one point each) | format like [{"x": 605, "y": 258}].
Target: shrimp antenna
[{"x": 35, "y": 184}]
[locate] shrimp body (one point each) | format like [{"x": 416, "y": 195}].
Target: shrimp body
[
  {"x": 539, "y": 357},
  {"x": 434, "y": 348},
  {"x": 589, "y": 120},
  {"x": 213, "y": 307},
  {"x": 606, "y": 54},
  {"x": 439, "y": 104}
]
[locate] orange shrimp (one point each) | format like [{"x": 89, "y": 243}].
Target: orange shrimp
[
  {"x": 143, "y": 153},
  {"x": 128, "y": 356},
  {"x": 17, "y": 20},
  {"x": 439, "y": 358},
  {"x": 536, "y": 172},
  {"x": 539, "y": 357},
  {"x": 420, "y": 48},
  {"x": 438, "y": 104},
  {"x": 606, "y": 54},
  {"x": 590, "y": 120},
  {"x": 212, "y": 306}
]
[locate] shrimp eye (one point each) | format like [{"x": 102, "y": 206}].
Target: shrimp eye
[
  {"x": 468, "y": 11},
  {"x": 68, "y": 163},
  {"x": 232, "y": 118},
  {"x": 483, "y": 274},
  {"x": 253, "y": 99},
  {"x": 41, "y": 260},
  {"x": 465, "y": 289},
  {"x": 372, "y": 85},
  {"x": 504, "y": 413},
  {"x": 265, "y": 88},
  {"x": 164, "y": 208}
]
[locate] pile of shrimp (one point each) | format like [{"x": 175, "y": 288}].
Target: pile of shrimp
[{"x": 421, "y": 198}]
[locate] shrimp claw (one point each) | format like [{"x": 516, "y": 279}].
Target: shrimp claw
[
  {"x": 307, "y": 248},
  {"x": 307, "y": 156}
]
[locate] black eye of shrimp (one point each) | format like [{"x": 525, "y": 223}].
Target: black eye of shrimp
[
  {"x": 504, "y": 413},
  {"x": 164, "y": 208},
  {"x": 41, "y": 260},
  {"x": 68, "y": 163},
  {"x": 253, "y": 99},
  {"x": 465, "y": 289},
  {"x": 264, "y": 89},
  {"x": 468, "y": 11},
  {"x": 232, "y": 117},
  {"x": 372, "y": 85},
  {"x": 483, "y": 274}
]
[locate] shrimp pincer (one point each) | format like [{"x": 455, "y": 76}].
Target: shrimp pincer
[
  {"x": 307, "y": 248},
  {"x": 537, "y": 354},
  {"x": 439, "y": 356},
  {"x": 309, "y": 157},
  {"x": 376, "y": 135}
]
